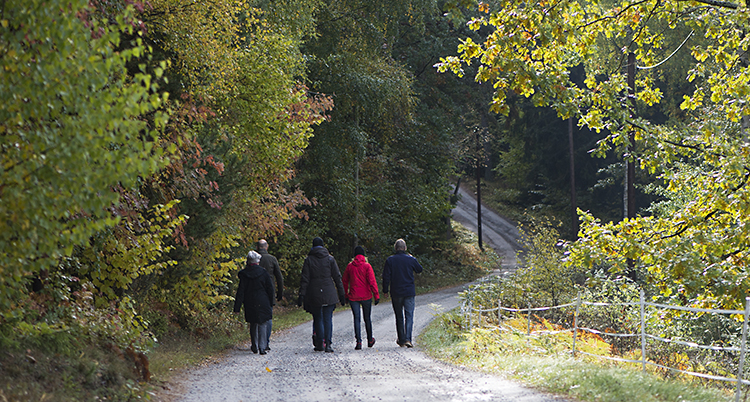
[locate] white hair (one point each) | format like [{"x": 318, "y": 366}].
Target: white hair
[
  {"x": 400, "y": 245},
  {"x": 253, "y": 256}
]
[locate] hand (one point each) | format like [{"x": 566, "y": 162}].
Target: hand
[
  {"x": 344, "y": 301},
  {"x": 299, "y": 301},
  {"x": 279, "y": 297},
  {"x": 377, "y": 301}
]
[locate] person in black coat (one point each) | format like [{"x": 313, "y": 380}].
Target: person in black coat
[
  {"x": 255, "y": 293},
  {"x": 320, "y": 289}
]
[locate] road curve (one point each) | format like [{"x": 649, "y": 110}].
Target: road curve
[
  {"x": 497, "y": 232},
  {"x": 292, "y": 371}
]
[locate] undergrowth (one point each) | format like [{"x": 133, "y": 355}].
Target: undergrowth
[
  {"x": 544, "y": 362},
  {"x": 131, "y": 352}
]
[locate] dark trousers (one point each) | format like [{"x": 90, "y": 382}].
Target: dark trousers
[
  {"x": 323, "y": 323},
  {"x": 403, "y": 308},
  {"x": 259, "y": 335},
  {"x": 366, "y": 309}
]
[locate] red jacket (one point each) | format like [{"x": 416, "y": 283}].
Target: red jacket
[{"x": 359, "y": 280}]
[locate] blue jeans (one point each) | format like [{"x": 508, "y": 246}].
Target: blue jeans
[
  {"x": 323, "y": 323},
  {"x": 366, "y": 309},
  {"x": 259, "y": 335},
  {"x": 403, "y": 308}
]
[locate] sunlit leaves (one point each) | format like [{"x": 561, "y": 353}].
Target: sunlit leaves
[
  {"x": 694, "y": 246},
  {"x": 72, "y": 129}
]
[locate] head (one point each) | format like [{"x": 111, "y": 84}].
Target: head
[
  {"x": 317, "y": 242},
  {"x": 253, "y": 257},
  {"x": 400, "y": 245},
  {"x": 359, "y": 250},
  {"x": 262, "y": 244}
]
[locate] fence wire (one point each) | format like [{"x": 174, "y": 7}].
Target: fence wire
[{"x": 467, "y": 309}]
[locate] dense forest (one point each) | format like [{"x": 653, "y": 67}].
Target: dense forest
[{"x": 146, "y": 146}]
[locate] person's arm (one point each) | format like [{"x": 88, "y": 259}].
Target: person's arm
[
  {"x": 279, "y": 279},
  {"x": 239, "y": 298},
  {"x": 372, "y": 282},
  {"x": 268, "y": 287},
  {"x": 345, "y": 280},
  {"x": 336, "y": 275},
  {"x": 303, "y": 282},
  {"x": 417, "y": 267},
  {"x": 386, "y": 276}
]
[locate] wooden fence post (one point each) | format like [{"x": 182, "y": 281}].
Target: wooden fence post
[
  {"x": 500, "y": 315},
  {"x": 575, "y": 323},
  {"x": 528, "y": 329},
  {"x": 471, "y": 316},
  {"x": 741, "y": 367},
  {"x": 643, "y": 331}
]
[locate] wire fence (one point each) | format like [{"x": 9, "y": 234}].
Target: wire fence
[{"x": 469, "y": 311}]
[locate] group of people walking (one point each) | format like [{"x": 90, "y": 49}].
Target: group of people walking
[{"x": 322, "y": 286}]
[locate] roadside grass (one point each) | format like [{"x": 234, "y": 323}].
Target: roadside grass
[
  {"x": 62, "y": 367},
  {"x": 544, "y": 362}
]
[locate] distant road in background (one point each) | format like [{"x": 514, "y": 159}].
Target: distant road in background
[{"x": 497, "y": 232}]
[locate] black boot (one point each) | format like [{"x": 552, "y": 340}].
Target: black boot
[{"x": 318, "y": 344}]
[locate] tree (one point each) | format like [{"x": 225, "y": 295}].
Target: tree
[
  {"x": 693, "y": 247},
  {"x": 73, "y": 130},
  {"x": 244, "y": 117},
  {"x": 377, "y": 168}
]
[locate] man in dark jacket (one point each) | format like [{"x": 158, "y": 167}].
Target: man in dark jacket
[
  {"x": 398, "y": 277},
  {"x": 319, "y": 290},
  {"x": 271, "y": 264},
  {"x": 255, "y": 293}
]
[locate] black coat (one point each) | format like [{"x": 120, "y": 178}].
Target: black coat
[
  {"x": 321, "y": 280},
  {"x": 255, "y": 293}
]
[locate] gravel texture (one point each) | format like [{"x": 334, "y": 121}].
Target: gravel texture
[{"x": 292, "y": 371}]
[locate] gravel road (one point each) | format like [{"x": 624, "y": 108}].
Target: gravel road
[
  {"x": 497, "y": 232},
  {"x": 292, "y": 371}
]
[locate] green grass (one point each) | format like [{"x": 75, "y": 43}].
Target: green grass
[
  {"x": 69, "y": 371},
  {"x": 557, "y": 372}
]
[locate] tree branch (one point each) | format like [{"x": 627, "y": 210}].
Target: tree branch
[{"x": 717, "y": 3}]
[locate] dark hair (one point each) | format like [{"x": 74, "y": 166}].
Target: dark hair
[
  {"x": 359, "y": 250},
  {"x": 317, "y": 242}
]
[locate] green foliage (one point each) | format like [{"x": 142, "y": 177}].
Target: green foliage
[
  {"x": 694, "y": 248},
  {"x": 377, "y": 168},
  {"x": 72, "y": 130},
  {"x": 542, "y": 279},
  {"x": 117, "y": 257},
  {"x": 537, "y": 362},
  {"x": 243, "y": 118}
]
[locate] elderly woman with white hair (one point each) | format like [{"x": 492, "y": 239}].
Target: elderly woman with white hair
[{"x": 256, "y": 294}]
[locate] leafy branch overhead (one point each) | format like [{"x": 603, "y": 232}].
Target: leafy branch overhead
[{"x": 694, "y": 242}]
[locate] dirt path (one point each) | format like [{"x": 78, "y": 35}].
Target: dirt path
[{"x": 292, "y": 371}]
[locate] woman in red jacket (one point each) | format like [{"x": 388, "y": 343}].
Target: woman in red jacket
[{"x": 360, "y": 288}]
